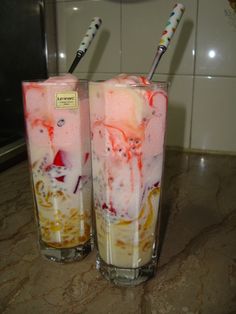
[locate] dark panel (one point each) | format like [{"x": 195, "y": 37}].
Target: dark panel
[{"x": 22, "y": 57}]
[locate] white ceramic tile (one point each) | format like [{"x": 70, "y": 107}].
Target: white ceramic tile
[
  {"x": 142, "y": 25},
  {"x": 73, "y": 19},
  {"x": 216, "y": 34},
  {"x": 179, "y": 109},
  {"x": 214, "y": 113}
]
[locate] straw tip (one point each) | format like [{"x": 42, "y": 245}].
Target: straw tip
[
  {"x": 180, "y": 6},
  {"x": 97, "y": 19}
]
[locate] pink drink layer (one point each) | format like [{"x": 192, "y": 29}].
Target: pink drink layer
[
  {"x": 128, "y": 128},
  {"x": 60, "y": 160}
]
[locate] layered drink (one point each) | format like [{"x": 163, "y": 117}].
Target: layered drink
[
  {"x": 58, "y": 137},
  {"x": 128, "y": 121}
]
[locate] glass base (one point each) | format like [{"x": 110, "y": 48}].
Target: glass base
[
  {"x": 65, "y": 255},
  {"x": 126, "y": 276}
]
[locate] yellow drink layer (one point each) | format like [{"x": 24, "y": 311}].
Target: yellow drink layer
[{"x": 129, "y": 243}]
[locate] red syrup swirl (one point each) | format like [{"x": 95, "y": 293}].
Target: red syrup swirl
[
  {"x": 58, "y": 162},
  {"x": 150, "y": 96},
  {"x": 109, "y": 208}
]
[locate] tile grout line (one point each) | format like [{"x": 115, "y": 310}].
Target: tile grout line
[{"x": 194, "y": 72}]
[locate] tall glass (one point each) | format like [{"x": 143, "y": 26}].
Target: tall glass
[
  {"x": 128, "y": 125},
  {"x": 58, "y": 140}
]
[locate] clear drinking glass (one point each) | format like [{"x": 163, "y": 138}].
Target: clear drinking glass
[
  {"x": 128, "y": 125},
  {"x": 58, "y": 140}
]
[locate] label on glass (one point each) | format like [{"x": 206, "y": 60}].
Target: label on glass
[{"x": 67, "y": 100}]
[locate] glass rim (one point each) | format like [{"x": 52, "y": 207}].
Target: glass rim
[
  {"x": 163, "y": 84},
  {"x": 46, "y": 82}
]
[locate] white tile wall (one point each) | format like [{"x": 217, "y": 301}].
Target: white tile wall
[
  {"x": 73, "y": 19},
  {"x": 214, "y": 113},
  {"x": 201, "y": 110},
  {"x": 142, "y": 25},
  {"x": 216, "y": 39}
]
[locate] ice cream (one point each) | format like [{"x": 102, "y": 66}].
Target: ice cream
[
  {"x": 128, "y": 117},
  {"x": 58, "y": 136}
]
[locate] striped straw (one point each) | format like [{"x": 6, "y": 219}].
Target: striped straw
[
  {"x": 85, "y": 43},
  {"x": 168, "y": 33}
]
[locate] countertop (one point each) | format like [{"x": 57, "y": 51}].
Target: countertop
[{"x": 197, "y": 267}]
